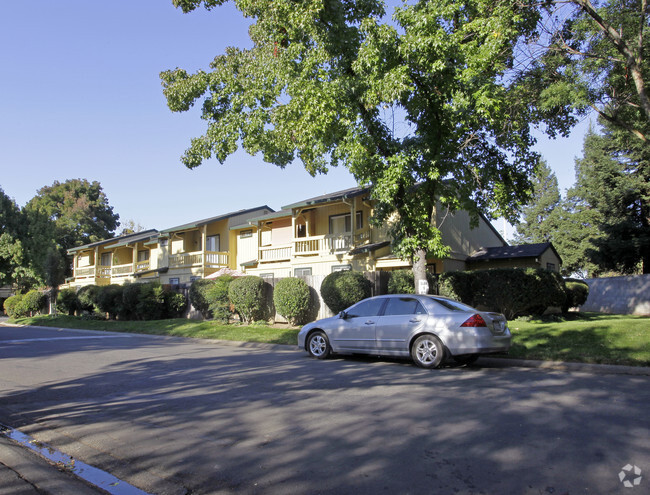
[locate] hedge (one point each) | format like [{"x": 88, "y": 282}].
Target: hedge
[
  {"x": 341, "y": 290},
  {"x": 67, "y": 301},
  {"x": 291, "y": 297},
  {"x": 248, "y": 298}
]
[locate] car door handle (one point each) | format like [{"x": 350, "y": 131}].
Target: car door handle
[
  {"x": 415, "y": 320},
  {"x": 370, "y": 322}
]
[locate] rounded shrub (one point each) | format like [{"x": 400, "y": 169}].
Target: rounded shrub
[
  {"x": 130, "y": 300},
  {"x": 67, "y": 301},
  {"x": 341, "y": 290},
  {"x": 175, "y": 303},
  {"x": 217, "y": 298},
  {"x": 291, "y": 297},
  {"x": 199, "y": 296},
  {"x": 151, "y": 302},
  {"x": 34, "y": 301},
  {"x": 109, "y": 299},
  {"x": 87, "y": 297},
  {"x": 577, "y": 292},
  {"x": 401, "y": 282},
  {"x": 247, "y": 296},
  {"x": 13, "y": 306}
]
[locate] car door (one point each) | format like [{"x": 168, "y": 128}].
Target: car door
[
  {"x": 403, "y": 317},
  {"x": 356, "y": 330}
]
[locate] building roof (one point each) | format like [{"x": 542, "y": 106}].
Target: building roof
[
  {"x": 327, "y": 198},
  {"x": 122, "y": 240},
  {"x": 512, "y": 252},
  {"x": 205, "y": 221}
]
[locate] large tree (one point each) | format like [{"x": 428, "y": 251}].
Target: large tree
[
  {"x": 611, "y": 181},
  {"x": 14, "y": 269},
  {"x": 420, "y": 106},
  {"x": 66, "y": 215}
]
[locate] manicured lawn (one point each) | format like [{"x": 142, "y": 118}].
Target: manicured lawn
[{"x": 580, "y": 337}]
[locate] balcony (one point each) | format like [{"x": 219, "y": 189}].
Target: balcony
[
  {"x": 213, "y": 259},
  {"x": 321, "y": 245}
]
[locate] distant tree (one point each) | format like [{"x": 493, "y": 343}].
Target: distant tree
[
  {"x": 130, "y": 227},
  {"x": 14, "y": 268},
  {"x": 67, "y": 215},
  {"x": 613, "y": 181},
  {"x": 537, "y": 223}
]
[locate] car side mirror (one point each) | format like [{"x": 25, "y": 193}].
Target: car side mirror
[{"x": 343, "y": 315}]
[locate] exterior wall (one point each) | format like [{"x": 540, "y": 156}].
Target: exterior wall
[
  {"x": 461, "y": 238},
  {"x": 619, "y": 295}
]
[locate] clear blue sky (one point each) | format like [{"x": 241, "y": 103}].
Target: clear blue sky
[{"x": 81, "y": 97}]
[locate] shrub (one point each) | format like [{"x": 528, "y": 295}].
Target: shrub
[
  {"x": 577, "y": 292},
  {"x": 151, "y": 302},
  {"x": 341, "y": 290},
  {"x": 175, "y": 303},
  {"x": 401, "y": 282},
  {"x": 247, "y": 296},
  {"x": 67, "y": 301},
  {"x": 199, "y": 296},
  {"x": 457, "y": 286},
  {"x": 130, "y": 300},
  {"x": 217, "y": 297},
  {"x": 291, "y": 297},
  {"x": 13, "y": 306},
  {"x": 34, "y": 301},
  {"x": 87, "y": 297},
  {"x": 109, "y": 299}
]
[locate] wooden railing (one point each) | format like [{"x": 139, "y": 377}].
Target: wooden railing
[
  {"x": 212, "y": 259},
  {"x": 275, "y": 253}
]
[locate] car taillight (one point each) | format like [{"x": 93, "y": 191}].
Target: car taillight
[{"x": 474, "y": 321}]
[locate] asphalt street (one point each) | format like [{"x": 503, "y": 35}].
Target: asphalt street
[{"x": 181, "y": 416}]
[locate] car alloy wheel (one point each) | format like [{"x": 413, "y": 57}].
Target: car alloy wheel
[
  {"x": 318, "y": 346},
  {"x": 427, "y": 351}
]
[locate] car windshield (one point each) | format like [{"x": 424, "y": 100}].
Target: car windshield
[{"x": 453, "y": 305}]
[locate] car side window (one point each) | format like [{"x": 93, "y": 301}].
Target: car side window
[
  {"x": 404, "y": 306},
  {"x": 370, "y": 307}
]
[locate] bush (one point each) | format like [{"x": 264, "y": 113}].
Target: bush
[
  {"x": 403, "y": 282},
  {"x": 130, "y": 300},
  {"x": 151, "y": 302},
  {"x": 291, "y": 297},
  {"x": 341, "y": 290},
  {"x": 109, "y": 299},
  {"x": 457, "y": 286},
  {"x": 577, "y": 292},
  {"x": 247, "y": 296},
  {"x": 34, "y": 301},
  {"x": 13, "y": 306},
  {"x": 199, "y": 296},
  {"x": 87, "y": 297},
  {"x": 67, "y": 301},
  {"x": 217, "y": 298},
  {"x": 175, "y": 303}
]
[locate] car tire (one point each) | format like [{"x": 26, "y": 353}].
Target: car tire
[
  {"x": 318, "y": 345},
  {"x": 466, "y": 359},
  {"x": 427, "y": 351}
]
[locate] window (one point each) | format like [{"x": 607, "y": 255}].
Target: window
[
  {"x": 174, "y": 281},
  {"x": 302, "y": 272},
  {"x": 212, "y": 243},
  {"x": 301, "y": 230},
  {"x": 341, "y": 268},
  {"x": 193, "y": 278},
  {"x": 359, "y": 220},
  {"x": 244, "y": 234},
  {"x": 550, "y": 266},
  {"x": 369, "y": 307},
  {"x": 106, "y": 259},
  {"x": 143, "y": 255},
  {"x": 267, "y": 276},
  {"x": 404, "y": 306},
  {"x": 164, "y": 242},
  {"x": 340, "y": 224}
]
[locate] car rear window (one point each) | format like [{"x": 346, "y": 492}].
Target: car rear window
[{"x": 453, "y": 305}]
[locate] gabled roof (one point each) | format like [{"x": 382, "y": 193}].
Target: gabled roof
[
  {"x": 512, "y": 252},
  {"x": 205, "y": 221},
  {"x": 327, "y": 198},
  {"x": 121, "y": 240}
]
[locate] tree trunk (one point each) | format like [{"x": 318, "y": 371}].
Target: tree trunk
[{"x": 420, "y": 272}]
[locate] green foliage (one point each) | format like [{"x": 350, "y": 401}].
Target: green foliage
[
  {"x": 87, "y": 296},
  {"x": 175, "y": 303},
  {"x": 217, "y": 298},
  {"x": 577, "y": 292},
  {"x": 291, "y": 297},
  {"x": 109, "y": 299},
  {"x": 401, "y": 282},
  {"x": 199, "y": 296},
  {"x": 67, "y": 301},
  {"x": 247, "y": 294},
  {"x": 130, "y": 298},
  {"x": 13, "y": 306},
  {"x": 151, "y": 302},
  {"x": 329, "y": 82},
  {"x": 34, "y": 301},
  {"x": 341, "y": 290},
  {"x": 511, "y": 291}
]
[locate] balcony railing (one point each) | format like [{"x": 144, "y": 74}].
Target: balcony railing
[
  {"x": 276, "y": 253},
  {"x": 314, "y": 246},
  {"x": 213, "y": 259}
]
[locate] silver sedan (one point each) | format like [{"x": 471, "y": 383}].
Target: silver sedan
[{"x": 426, "y": 328}]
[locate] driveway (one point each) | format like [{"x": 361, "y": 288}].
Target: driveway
[{"x": 174, "y": 416}]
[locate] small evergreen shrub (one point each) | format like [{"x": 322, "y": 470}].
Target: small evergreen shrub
[
  {"x": 130, "y": 300},
  {"x": 217, "y": 297},
  {"x": 341, "y": 290},
  {"x": 457, "y": 286},
  {"x": 87, "y": 297},
  {"x": 67, "y": 301},
  {"x": 247, "y": 294},
  {"x": 13, "y": 306},
  {"x": 577, "y": 292},
  {"x": 175, "y": 303},
  {"x": 199, "y": 296},
  {"x": 109, "y": 299},
  {"x": 401, "y": 282},
  {"x": 34, "y": 301},
  {"x": 151, "y": 302},
  {"x": 291, "y": 297}
]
